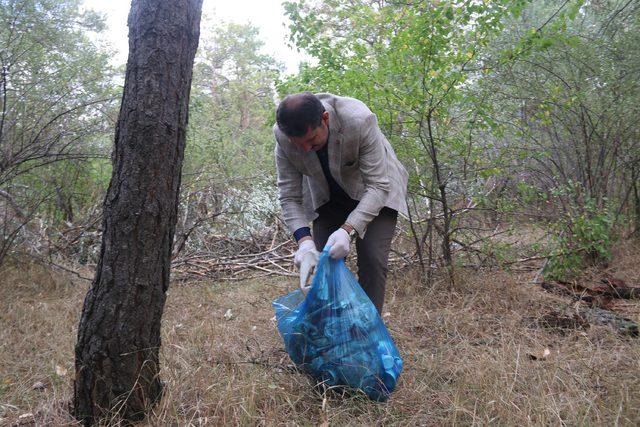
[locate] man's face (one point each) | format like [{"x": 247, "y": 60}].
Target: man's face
[{"x": 315, "y": 138}]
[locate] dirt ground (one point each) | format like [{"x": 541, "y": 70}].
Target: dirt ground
[{"x": 478, "y": 353}]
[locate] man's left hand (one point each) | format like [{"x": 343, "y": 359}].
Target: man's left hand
[{"x": 339, "y": 242}]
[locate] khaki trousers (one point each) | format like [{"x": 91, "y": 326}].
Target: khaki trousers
[{"x": 372, "y": 251}]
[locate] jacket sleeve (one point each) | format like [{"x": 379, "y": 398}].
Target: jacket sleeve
[
  {"x": 375, "y": 176},
  {"x": 290, "y": 191}
]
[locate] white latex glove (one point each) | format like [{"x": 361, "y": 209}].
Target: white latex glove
[
  {"x": 307, "y": 268},
  {"x": 304, "y": 247},
  {"x": 339, "y": 242}
]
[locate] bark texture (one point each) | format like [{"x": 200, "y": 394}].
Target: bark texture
[{"x": 117, "y": 353}]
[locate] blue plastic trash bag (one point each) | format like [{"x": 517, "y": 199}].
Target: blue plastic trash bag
[{"x": 335, "y": 333}]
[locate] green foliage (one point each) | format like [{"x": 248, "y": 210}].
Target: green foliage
[
  {"x": 414, "y": 65},
  {"x": 229, "y": 154},
  {"x": 55, "y": 86},
  {"x": 56, "y": 92},
  {"x": 433, "y": 73},
  {"x": 501, "y": 252},
  {"x": 232, "y": 105},
  {"x": 582, "y": 240},
  {"x": 567, "y": 99}
]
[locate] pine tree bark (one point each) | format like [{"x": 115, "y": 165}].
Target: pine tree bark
[{"x": 117, "y": 352}]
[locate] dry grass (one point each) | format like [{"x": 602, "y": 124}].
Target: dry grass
[{"x": 469, "y": 357}]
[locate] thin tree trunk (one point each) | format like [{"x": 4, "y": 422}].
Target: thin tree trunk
[
  {"x": 636, "y": 200},
  {"x": 429, "y": 235},
  {"x": 414, "y": 232},
  {"x": 117, "y": 353},
  {"x": 442, "y": 187}
]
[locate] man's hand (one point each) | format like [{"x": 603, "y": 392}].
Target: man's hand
[
  {"x": 307, "y": 268},
  {"x": 339, "y": 242},
  {"x": 305, "y": 245}
]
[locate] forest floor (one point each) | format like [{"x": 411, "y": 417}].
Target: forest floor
[{"x": 482, "y": 352}]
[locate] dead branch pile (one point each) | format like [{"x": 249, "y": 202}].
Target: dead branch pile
[
  {"x": 233, "y": 259},
  {"x": 229, "y": 258}
]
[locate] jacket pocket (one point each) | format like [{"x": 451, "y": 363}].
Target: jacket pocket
[{"x": 349, "y": 164}]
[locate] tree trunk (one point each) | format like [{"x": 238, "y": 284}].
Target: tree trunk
[
  {"x": 636, "y": 201},
  {"x": 414, "y": 233},
  {"x": 117, "y": 353},
  {"x": 446, "y": 233},
  {"x": 442, "y": 187}
]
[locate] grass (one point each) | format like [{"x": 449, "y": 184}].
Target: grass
[{"x": 472, "y": 356}]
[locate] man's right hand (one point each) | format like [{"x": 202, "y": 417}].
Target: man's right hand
[
  {"x": 307, "y": 268},
  {"x": 304, "y": 247}
]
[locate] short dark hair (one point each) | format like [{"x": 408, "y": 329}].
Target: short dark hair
[{"x": 299, "y": 112}]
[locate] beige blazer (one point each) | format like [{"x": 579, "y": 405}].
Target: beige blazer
[{"x": 361, "y": 160}]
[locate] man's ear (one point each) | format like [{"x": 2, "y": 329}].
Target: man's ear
[{"x": 325, "y": 117}]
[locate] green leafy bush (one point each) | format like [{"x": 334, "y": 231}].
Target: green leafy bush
[{"x": 583, "y": 239}]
